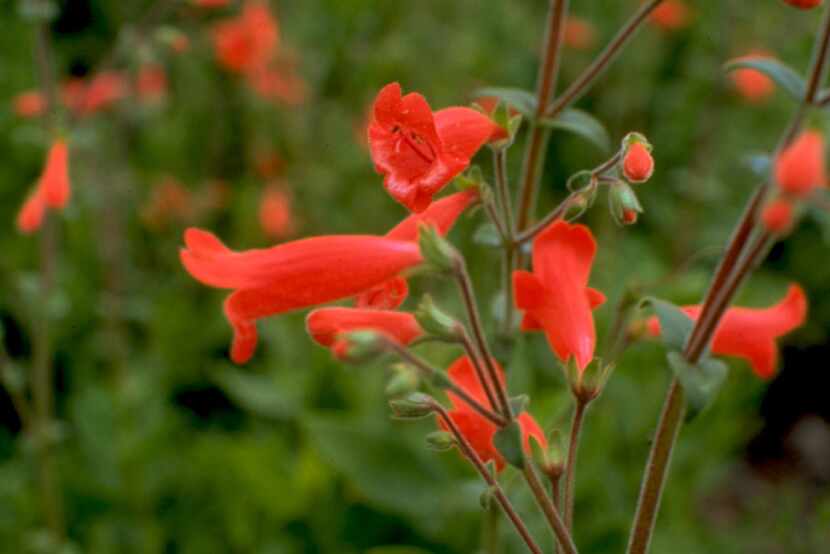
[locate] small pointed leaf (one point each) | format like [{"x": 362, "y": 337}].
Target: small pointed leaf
[
  {"x": 675, "y": 326},
  {"x": 524, "y": 101},
  {"x": 508, "y": 441},
  {"x": 701, "y": 382},
  {"x": 583, "y": 124}
]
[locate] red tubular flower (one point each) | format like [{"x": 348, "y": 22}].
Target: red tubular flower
[
  {"x": 751, "y": 84},
  {"x": 750, "y": 333},
  {"x": 326, "y": 325},
  {"x": 638, "y": 165},
  {"x": 671, "y": 15},
  {"x": 556, "y": 298},
  {"x": 417, "y": 151},
  {"x": 804, "y": 4},
  {"x": 55, "y": 177},
  {"x": 30, "y": 104},
  {"x": 246, "y": 43},
  {"x": 579, "y": 33},
  {"x": 442, "y": 214},
  {"x": 30, "y": 216},
  {"x": 477, "y": 429},
  {"x": 292, "y": 275},
  {"x": 777, "y": 216},
  {"x": 800, "y": 168},
  {"x": 275, "y": 215}
]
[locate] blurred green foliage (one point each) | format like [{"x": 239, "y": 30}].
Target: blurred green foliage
[{"x": 167, "y": 447}]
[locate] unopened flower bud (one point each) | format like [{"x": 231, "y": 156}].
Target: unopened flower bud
[
  {"x": 415, "y": 406},
  {"x": 778, "y": 217},
  {"x": 404, "y": 381},
  {"x": 555, "y": 456},
  {"x": 437, "y": 251},
  {"x": 435, "y": 321},
  {"x": 637, "y": 163},
  {"x": 360, "y": 346},
  {"x": 623, "y": 203},
  {"x": 440, "y": 441}
]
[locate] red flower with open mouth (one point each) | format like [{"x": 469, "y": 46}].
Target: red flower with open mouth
[
  {"x": 327, "y": 325},
  {"x": 477, "y": 429},
  {"x": 292, "y": 275},
  {"x": 441, "y": 214},
  {"x": 556, "y": 298},
  {"x": 52, "y": 189},
  {"x": 750, "y": 333},
  {"x": 419, "y": 151}
]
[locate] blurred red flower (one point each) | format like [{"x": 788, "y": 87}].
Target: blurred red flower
[
  {"x": 30, "y": 103},
  {"x": 51, "y": 190},
  {"x": 752, "y": 85},
  {"x": 750, "y": 333},
  {"x": 151, "y": 84},
  {"x": 556, "y": 298},
  {"x": 477, "y": 429},
  {"x": 246, "y": 43},
  {"x": 275, "y": 212},
  {"x": 801, "y": 168},
  {"x": 579, "y": 33},
  {"x": 292, "y": 275},
  {"x": 419, "y": 152},
  {"x": 671, "y": 15}
]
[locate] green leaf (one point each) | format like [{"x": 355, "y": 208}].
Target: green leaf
[
  {"x": 508, "y": 441},
  {"x": 675, "y": 326},
  {"x": 583, "y": 124},
  {"x": 701, "y": 382},
  {"x": 258, "y": 394},
  {"x": 521, "y": 99},
  {"x": 786, "y": 77}
]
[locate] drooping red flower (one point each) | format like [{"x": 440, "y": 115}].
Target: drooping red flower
[
  {"x": 638, "y": 165},
  {"x": 750, "y": 333},
  {"x": 292, "y": 275},
  {"x": 556, "y": 298},
  {"x": 246, "y": 43},
  {"x": 777, "y": 216},
  {"x": 419, "y": 152},
  {"x": 327, "y": 325},
  {"x": 800, "y": 168},
  {"x": 671, "y": 15},
  {"x": 752, "y": 85},
  {"x": 804, "y": 4},
  {"x": 51, "y": 190},
  {"x": 30, "y": 104},
  {"x": 477, "y": 429},
  {"x": 151, "y": 84},
  {"x": 442, "y": 214},
  {"x": 275, "y": 214},
  {"x": 579, "y": 33}
]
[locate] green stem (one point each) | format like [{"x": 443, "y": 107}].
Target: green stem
[
  {"x": 570, "y": 467},
  {"x": 552, "y": 516}
]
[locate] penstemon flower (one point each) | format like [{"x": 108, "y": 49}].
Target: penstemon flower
[
  {"x": 327, "y": 325},
  {"x": 52, "y": 189},
  {"x": 750, "y": 333},
  {"x": 419, "y": 151},
  {"x": 556, "y": 298},
  {"x": 291, "y": 276},
  {"x": 801, "y": 168}
]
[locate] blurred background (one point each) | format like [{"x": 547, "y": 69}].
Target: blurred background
[{"x": 162, "y": 445}]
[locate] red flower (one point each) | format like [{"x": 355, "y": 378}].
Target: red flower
[
  {"x": 326, "y": 325},
  {"x": 477, "y": 429},
  {"x": 246, "y": 43},
  {"x": 751, "y": 84},
  {"x": 750, "y": 333},
  {"x": 292, "y": 275},
  {"x": 579, "y": 33},
  {"x": 441, "y": 214},
  {"x": 278, "y": 84},
  {"x": 800, "y": 168},
  {"x": 777, "y": 216},
  {"x": 151, "y": 85},
  {"x": 52, "y": 189},
  {"x": 30, "y": 104},
  {"x": 638, "y": 165},
  {"x": 556, "y": 298},
  {"x": 671, "y": 15},
  {"x": 804, "y": 4},
  {"x": 419, "y": 151},
  {"x": 275, "y": 215},
  {"x": 103, "y": 90}
]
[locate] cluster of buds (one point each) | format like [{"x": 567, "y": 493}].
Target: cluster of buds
[
  {"x": 799, "y": 172},
  {"x": 636, "y": 165}
]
